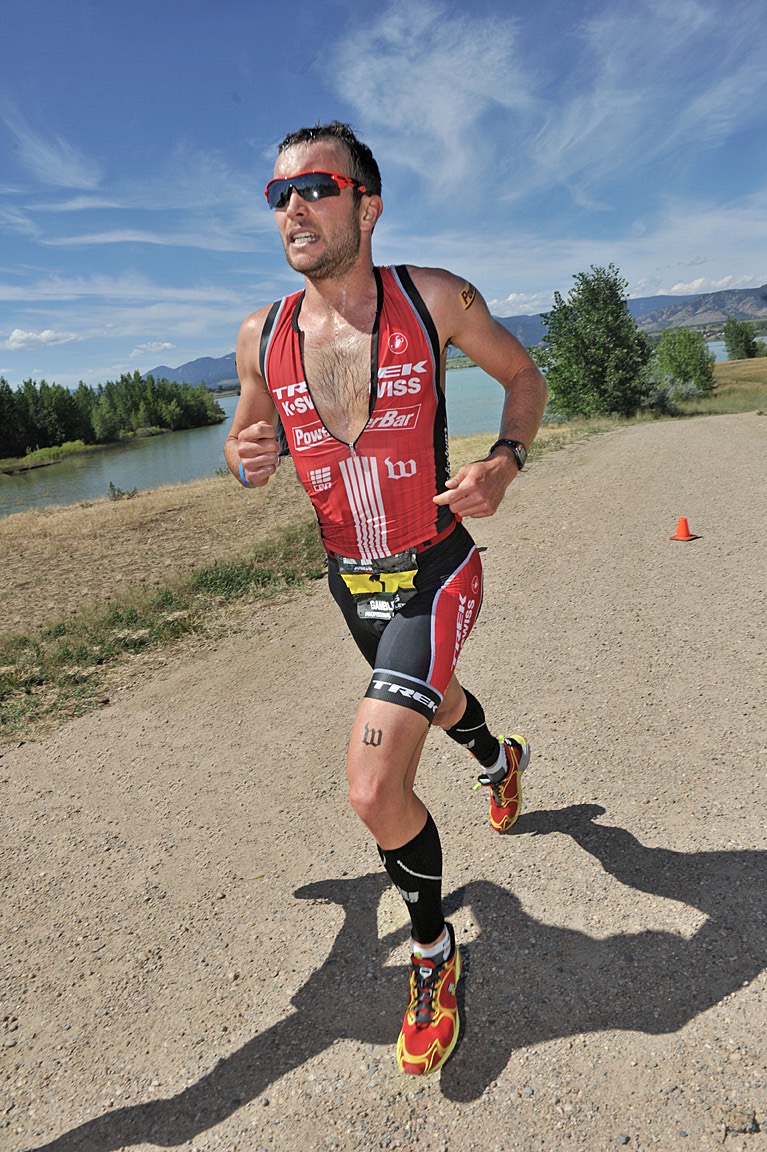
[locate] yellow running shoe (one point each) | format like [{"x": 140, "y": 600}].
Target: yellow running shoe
[{"x": 430, "y": 1028}]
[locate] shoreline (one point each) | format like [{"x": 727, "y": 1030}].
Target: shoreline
[{"x": 15, "y": 466}]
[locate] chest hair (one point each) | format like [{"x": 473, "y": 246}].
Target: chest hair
[{"x": 338, "y": 375}]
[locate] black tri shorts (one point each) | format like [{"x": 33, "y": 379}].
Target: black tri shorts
[{"x": 414, "y": 654}]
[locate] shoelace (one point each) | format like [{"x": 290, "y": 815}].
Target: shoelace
[
  {"x": 426, "y": 975},
  {"x": 498, "y": 796},
  {"x": 494, "y": 786}
]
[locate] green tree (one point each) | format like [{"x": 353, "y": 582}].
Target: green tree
[
  {"x": 12, "y": 442},
  {"x": 684, "y": 366},
  {"x": 739, "y": 339},
  {"x": 45, "y": 415},
  {"x": 594, "y": 356},
  {"x": 171, "y": 414},
  {"x": 105, "y": 419},
  {"x": 84, "y": 398}
]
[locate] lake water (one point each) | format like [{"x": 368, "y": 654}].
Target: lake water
[{"x": 473, "y": 406}]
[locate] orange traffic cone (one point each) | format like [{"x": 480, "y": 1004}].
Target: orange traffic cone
[{"x": 682, "y": 531}]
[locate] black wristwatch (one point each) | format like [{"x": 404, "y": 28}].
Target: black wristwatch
[{"x": 517, "y": 447}]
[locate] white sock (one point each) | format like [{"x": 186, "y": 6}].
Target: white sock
[
  {"x": 438, "y": 951},
  {"x": 499, "y": 769}
]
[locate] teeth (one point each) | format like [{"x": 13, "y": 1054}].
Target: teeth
[{"x": 303, "y": 237}]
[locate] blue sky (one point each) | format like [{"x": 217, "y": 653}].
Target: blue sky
[{"x": 519, "y": 143}]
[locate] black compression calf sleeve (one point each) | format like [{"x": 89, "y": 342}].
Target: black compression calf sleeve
[
  {"x": 415, "y": 869},
  {"x": 472, "y": 732}
]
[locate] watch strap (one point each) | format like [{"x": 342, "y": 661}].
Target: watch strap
[{"x": 517, "y": 447}]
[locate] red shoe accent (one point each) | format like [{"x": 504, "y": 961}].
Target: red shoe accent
[
  {"x": 430, "y": 1027},
  {"x": 506, "y": 796}
]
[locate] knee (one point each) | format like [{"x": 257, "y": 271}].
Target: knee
[
  {"x": 379, "y": 801},
  {"x": 366, "y": 797}
]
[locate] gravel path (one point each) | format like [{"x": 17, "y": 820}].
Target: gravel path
[{"x": 201, "y": 952}]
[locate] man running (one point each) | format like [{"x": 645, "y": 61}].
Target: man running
[{"x": 351, "y": 372}]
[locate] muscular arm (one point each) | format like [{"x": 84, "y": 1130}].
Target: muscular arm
[
  {"x": 251, "y": 440},
  {"x": 462, "y": 317}
]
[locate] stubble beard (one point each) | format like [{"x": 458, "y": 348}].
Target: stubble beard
[{"x": 334, "y": 261}]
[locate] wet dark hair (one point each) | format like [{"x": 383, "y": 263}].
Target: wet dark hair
[{"x": 364, "y": 168}]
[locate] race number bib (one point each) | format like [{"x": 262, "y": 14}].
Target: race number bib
[{"x": 382, "y": 586}]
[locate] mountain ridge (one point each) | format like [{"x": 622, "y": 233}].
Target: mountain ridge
[{"x": 652, "y": 314}]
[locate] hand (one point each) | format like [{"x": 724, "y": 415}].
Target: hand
[
  {"x": 259, "y": 452},
  {"x": 478, "y": 488}
]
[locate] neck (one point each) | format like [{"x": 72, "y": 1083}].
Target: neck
[{"x": 347, "y": 296}]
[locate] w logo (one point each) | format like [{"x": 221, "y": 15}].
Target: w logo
[
  {"x": 409, "y": 898},
  {"x": 372, "y": 737},
  {"x": 398, "y": 469}
]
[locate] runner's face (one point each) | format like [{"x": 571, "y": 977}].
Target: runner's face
[{"x": 322, "y": 238}]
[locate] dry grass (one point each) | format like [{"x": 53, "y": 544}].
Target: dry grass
[
  {"x": 62, "y": 670},
  {"x": 741, "y": 386},
  {"x": 58, "y": 560},
  {"x": 87, "y": 587}
]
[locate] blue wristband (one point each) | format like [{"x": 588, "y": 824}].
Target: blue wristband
[{"x": 242, "y": 477}]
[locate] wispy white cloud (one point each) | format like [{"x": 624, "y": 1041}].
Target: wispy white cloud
[
  {"x": 424, "y": 77},
  {"x": 635, "y": 84},
  {"x": 193, "y": 200},
  {"x": 650, "y": 82},
  {"x": 128, "y": 315},
  {"x": 210, "y": 239},
  {"x": 49, "y": 159},
  {"x": 16, "y": 220},
  {"x": 21, "y": 341},
  {"x": 153, "y": 347},
  {"x": 133, "y": 288},
  {"x": 75, "y": 204}
]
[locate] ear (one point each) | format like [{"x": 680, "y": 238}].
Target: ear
[{"x": 370, "y": 211}]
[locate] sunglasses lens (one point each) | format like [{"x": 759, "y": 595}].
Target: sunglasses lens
[{"x": 309, "y": 185}]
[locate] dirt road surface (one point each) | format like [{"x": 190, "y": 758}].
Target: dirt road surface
[{"x": 200, "y": 950}]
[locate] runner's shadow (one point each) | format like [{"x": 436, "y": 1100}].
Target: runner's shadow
[
  {"x": 527, "y": 982},
  {"x": 543, "y": 981},
  {"x": 352, "y": 995}
]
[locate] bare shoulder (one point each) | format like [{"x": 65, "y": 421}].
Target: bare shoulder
[
  {"x": 435, "y": 283},
  {"x": 255, "y": 403},
  {"x": 249, "y": 338},
  {"x": 452, "y": 300},
  {"x": 253, "y": 325}
]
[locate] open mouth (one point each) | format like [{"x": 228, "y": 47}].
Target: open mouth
[{"x": 301, "y": 239}]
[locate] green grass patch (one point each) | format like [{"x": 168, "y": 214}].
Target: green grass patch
[
  {"x": 43, "y": 456},
  {"x": 741, "y": 386},
  {"x": 59, "y": 671}
]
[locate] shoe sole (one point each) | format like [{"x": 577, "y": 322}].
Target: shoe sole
[{"x": 449, "y": 1050}]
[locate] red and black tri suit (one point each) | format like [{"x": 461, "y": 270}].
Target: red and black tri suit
[{"x": 374, "y": 498}]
